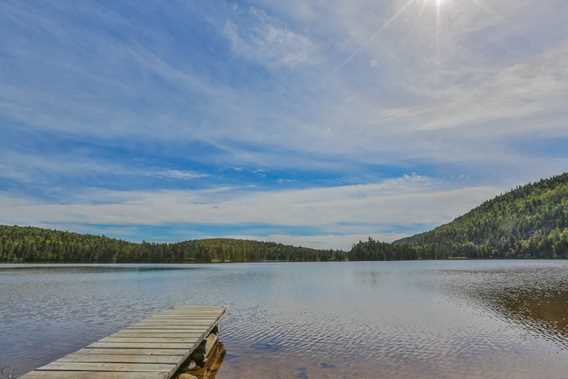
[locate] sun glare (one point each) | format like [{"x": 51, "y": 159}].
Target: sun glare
[{"x": 437, "y": 3}]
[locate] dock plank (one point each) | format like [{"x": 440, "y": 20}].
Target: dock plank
[
  {"x": 120, "y": 367},
  {"x": 183, "y": 315},
  {"x": 184, "y": 312},
  {"x": 140, "y": 345},
  {"x": 173, "y": 323},
  {"x": 194, "y": 331},
  {"x": 164, "y": 327},
  {"x": 151, "y": 340},
  {"x": 139, "y": 352},
  {"x": 181, "y": 321},
  {"x": 95, "y": 375},
  {"x": 150, "y": 349},
  {"x": 161, "y": 334},
  {"x": 197, "y": 321},
  {"x": 159, "y": 324},
  {"x": 110, "y": 358}
]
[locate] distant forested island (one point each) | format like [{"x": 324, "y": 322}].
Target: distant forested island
[{"x": 529, "y": 222}]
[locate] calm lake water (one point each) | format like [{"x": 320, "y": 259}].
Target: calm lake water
[{"x": 447, "y": 319}]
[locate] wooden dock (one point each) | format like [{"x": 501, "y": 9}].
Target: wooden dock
[{"x": 154, "y": 348}]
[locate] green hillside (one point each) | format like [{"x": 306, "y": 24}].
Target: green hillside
[
  {"x": 30, "y": 244},
  {"x": 530, "y": 221}
]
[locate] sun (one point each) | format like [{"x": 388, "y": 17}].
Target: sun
[{"x": 437, "y": 3}]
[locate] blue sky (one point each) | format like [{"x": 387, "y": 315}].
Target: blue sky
[{"x": 314, "y": 123}]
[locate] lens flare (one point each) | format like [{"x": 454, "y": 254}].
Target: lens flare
[{"x": 439, "y": 7}]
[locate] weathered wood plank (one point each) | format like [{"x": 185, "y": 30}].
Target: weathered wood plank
[
  {"x": 174, "y": 322},
  {"x": 141, "y": 345},
  {"x": 160, "y": 334},
  {"x": 106, "y": 358},
  {"x": 150, "y": 339},
  {"x": 195, "y": 331},
  {"x": 188, "y": 314},
  {"x": 161, "y": 325},
  {"x": 201, "y": 328},
  {"x": 94, "y": 375},
  {"x": 188, "y": 319},
  {"x": 169, "y": 319},
  {"x": 196, "y": 321},
  {"x": 187, "y": 328},
  {"x": 187, "y": 311},
  {"x": 180, "y": 319},
  {"x": 151, "y": 352},
  {"x": 181, "y": 328},
  {"x": 120, "y": 367}
]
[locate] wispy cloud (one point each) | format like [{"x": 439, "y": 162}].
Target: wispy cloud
[
  {"x": 177, "y": 174},
  {"x": 29, "y": 168},
  {"x": 339, "y": 211},
  {"x": 268, "y": 41}
]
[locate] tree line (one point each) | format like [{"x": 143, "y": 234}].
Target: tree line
[{"x": 30, "y": 245}]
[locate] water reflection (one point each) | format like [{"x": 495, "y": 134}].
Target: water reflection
[
  {"x": 544, "y": 313},
  {"x": 535, "y": 298}
]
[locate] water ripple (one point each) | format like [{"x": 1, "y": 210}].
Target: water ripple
[{"x": 397, "y": 320}]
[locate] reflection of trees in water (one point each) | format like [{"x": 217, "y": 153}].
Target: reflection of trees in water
[
  {"x": 535, "y": 298},
  {"x": 550, "y": 309},
  {"x": 544, "y": 312}
]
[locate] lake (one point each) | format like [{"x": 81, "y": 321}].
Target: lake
[{"x": 425, "y": 319}]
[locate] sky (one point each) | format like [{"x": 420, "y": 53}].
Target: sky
[{"x": 307, "y": 122}]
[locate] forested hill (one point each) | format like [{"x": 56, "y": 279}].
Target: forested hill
[
  {"x": 530, "y": 221},
  {"x": 30, "y": 244}
]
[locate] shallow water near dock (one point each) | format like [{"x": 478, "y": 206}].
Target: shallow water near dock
[{"x": 427, "y": 319}]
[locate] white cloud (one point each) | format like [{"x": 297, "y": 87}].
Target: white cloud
[
  {"x": 269, "y": 42},
  {"x": 406, "y": 201},
  {"x": 537, "y": 87},
  {"x": 177, "y": 174},
  {"x": 28, "y": 168}
]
